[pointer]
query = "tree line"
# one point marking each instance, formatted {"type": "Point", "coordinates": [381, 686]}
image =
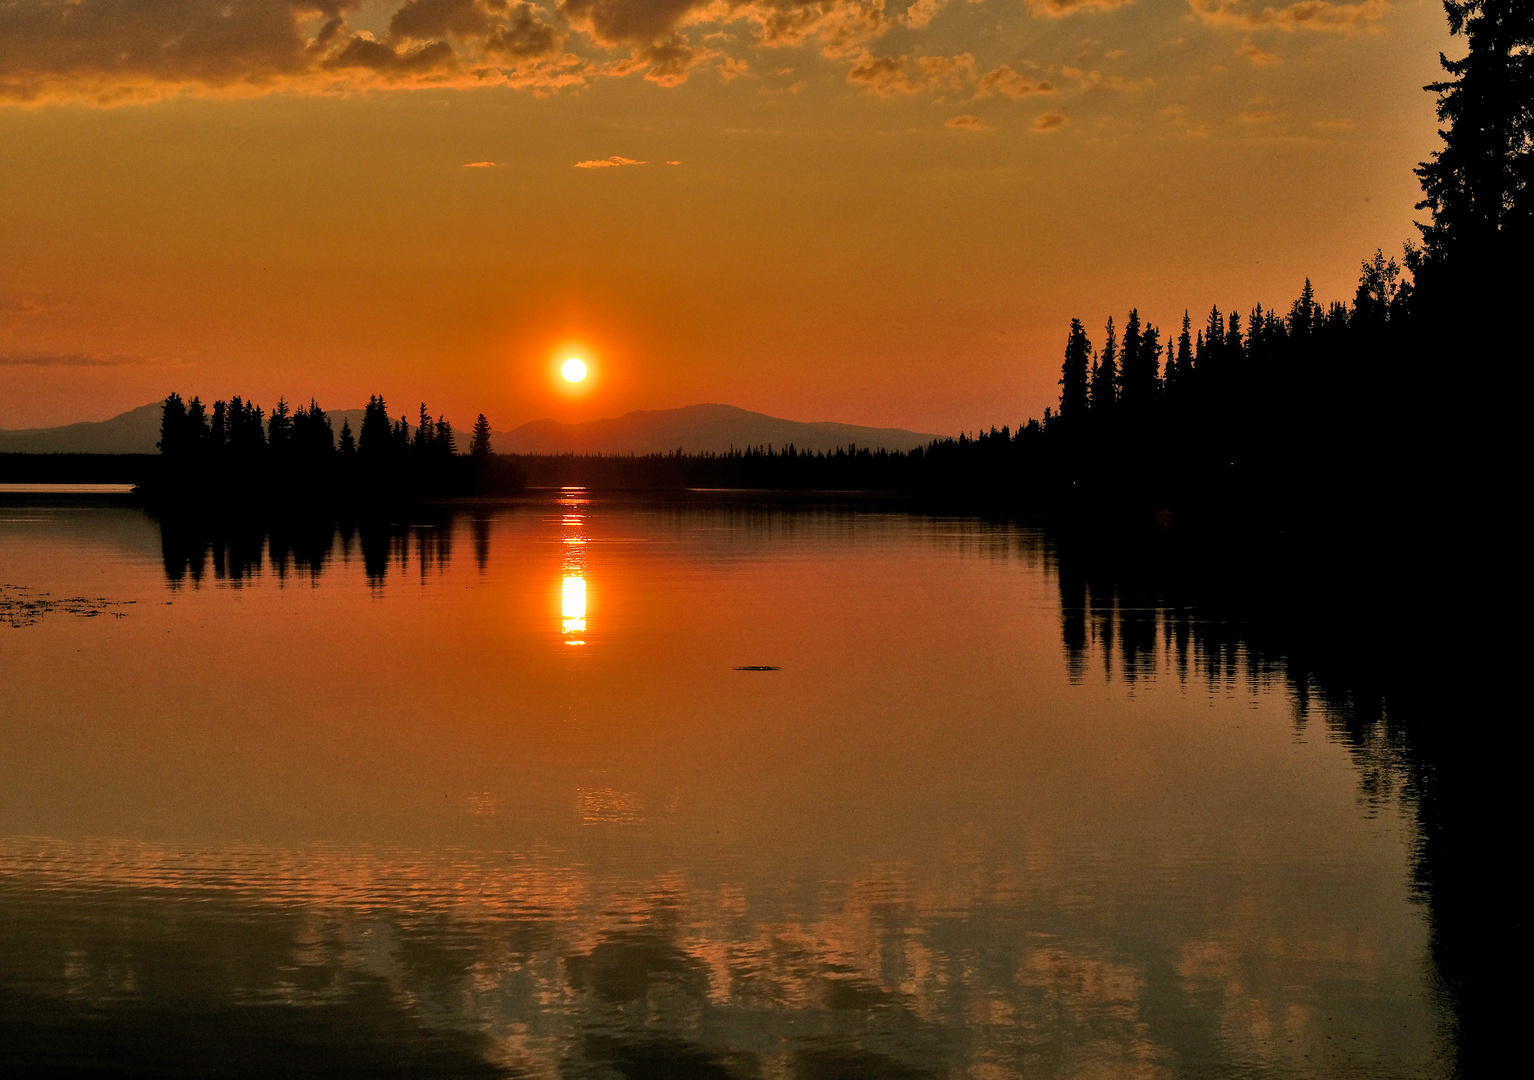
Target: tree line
{"type": "Point", "coordinates": [238, 429]}
{"type": "Point", "coordinates": [236, 455]}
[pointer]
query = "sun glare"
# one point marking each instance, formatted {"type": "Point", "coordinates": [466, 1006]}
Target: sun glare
{"type": "Point", "coordinates": [574, 370]}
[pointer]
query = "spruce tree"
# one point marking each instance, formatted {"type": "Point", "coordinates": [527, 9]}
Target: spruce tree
{"type": "Point", "coordinates": [197, 432]}
{"type": "Point", "coordinates": [172, 426]}
{"type": "Point", "coordinates": [374, 439]}
{"type": "Point", "coordinates": [1129, 360]}
{"type": "Point", "coordinates": [279, 430]}
{"type": "Point", "coordinates": [425, 432]}
{"type": "Point", "coordinates": [1480, 185]}
{"type": "Point", "coordinates": [218, 433]}
{"type": "Point", "coordinates": [479, 445]}
{"type": "Point", "coordinates": [1180, 369]}
{"type": "Point", "coordinates": [1105, 376]}
{"type": "Point", "coordinates": [1074, 374]}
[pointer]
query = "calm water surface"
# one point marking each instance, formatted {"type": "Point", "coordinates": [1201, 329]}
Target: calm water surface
{"type": "Point", "coordinates": [488, 795]}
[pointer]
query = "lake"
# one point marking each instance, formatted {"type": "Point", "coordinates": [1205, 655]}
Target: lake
{"type": "Point", "coordinates": [593, 787]}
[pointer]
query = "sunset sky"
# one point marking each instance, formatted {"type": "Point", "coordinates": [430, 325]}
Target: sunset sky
{"type": "Point", "coordinates": [831, 210]}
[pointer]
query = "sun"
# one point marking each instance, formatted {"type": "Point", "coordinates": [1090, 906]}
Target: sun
{"type": "Point", "coordinates": [574, 370]}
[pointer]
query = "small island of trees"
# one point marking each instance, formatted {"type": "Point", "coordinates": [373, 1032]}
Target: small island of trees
{"type": "Point", "coordinates": [236, 452]}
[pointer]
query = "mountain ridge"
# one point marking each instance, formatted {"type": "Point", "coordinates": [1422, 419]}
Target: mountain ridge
{"type": "Point", "coordinates": [705, 428]}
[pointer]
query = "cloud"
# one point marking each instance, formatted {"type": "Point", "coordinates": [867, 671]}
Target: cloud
{"type": "Point", "coordinates": [1257, 56]}
{"type": "Point", "coordinates": [668, 61]}
{"type": "Point", "coordinates": [839, 27]}
{"type": "Point", "coordinates": [1096, 80]}
{"type": "Point", "coordinates": [67, 360]}
{"type": "Point", "coordinates": [627, 22]}
{"type": "Point", "coordinates": [1318, 15]}
{"type": "Point", "coordinates": [1008, 83]}
{"type": "Point", "coordinates": [608, 163]}
{"type": "Point", "coordinates": [1044, 123]}
{"type": "Point", "coordinates": [116, 51]}
{"type": "Point", "coordinates": [1059, 8]}
{"type": "Point", "coordinates": [19, 306]}
{"type": "Point", "coordinates": [922, 12]}
{"type": "Point", "coordinates": [111, 51]}
{"type": "Point", "coordinates": [966, 122]}
{"type": "Point", "coordinates": [481, 165]}
{"type": "Point", "coordinates": [524, 35]}
{"type": "Point", "coordinates": [885, 76]}
{"type": "Point", "coordinates": [1257, 116]}
{"type": "Point", "coordinates": [426, 20]}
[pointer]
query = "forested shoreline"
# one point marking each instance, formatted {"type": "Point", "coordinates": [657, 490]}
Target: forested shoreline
{"type": "Point", "coordinates": [1367, 411]}
{"type": "Point", "coordinates": [1142, 423]}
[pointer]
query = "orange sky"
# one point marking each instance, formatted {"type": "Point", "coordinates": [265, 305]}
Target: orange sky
{"type": "Point", "coordinates": [879, 214]}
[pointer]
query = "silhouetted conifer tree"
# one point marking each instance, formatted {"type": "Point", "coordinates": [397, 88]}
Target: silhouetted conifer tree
{"type": "Point", "coordinates": [1139, 368]}
{"type": "Point", "coordinates": [1075, 392]}
{"type": "Point", "coordinates": [425, 433]}
{"type": "Point", "coordinates": [173, 426]}
{"type": "Point", "coordinates": [279, 429]}
{"type": "Point", "coordinates": [348, 445]}
{"type": "Point", "coordinates": [218, 433]}
{"type": "Point", "coordinates": [197, 433]}
{"type": "Point", "coordinates": [1480, 185]}
{"type": "Point", "coordinates": [479, 445]}
{"type": "Point", "coordinates": [1105, 376]}
{"type": "Point", "coordinates": [1302, 315]}
{"type": "Point", "coordinates": [377, 432]}
{"type": "Point", "coordinates": [1180, 368]}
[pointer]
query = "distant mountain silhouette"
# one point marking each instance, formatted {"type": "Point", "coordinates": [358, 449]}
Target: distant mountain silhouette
{"type": "Point", "coordinates": [133, 432]}
{"type": "Point", "coordinates": [695, 429]}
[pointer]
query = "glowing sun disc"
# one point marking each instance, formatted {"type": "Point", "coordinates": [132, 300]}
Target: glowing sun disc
{"type": "Point", "coordinates": [573, 370]}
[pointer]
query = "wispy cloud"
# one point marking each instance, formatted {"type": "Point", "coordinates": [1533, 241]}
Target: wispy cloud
{"type": "Point", "coordinates": [1318, 15]}
{"type": "Point", "coordinates": [481, 165]}
{"type": "Point", "coordinates": [67, 360]}
{"type": "Point", "coordinates": [1045, 123]}
{"type": "Point", "coordinates": [1259, 57]}
{"type": "Point", "coordinates": [1009, 83]}
{"type": "Point", "coordinates": [966, 122]}
{"type": "Point", "coordinates": [885, 76]}
{"type": "Point", "coordinates": [1096, 80]}
{"type": "Point", "coordinates": [1059, 8]}
{"type": "Point", "coordinates": [608, 163]}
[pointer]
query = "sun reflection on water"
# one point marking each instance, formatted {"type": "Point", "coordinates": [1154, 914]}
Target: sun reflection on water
{"type": "Point", "coordinates": [573, 605]}
{"type": "Point", "coordinates": [572, 593]}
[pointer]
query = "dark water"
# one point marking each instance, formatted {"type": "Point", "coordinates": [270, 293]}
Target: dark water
{"type": "Point", "coordinates": [488, 794]}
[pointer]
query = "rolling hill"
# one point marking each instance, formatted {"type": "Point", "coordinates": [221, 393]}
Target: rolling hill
{"type": "Point", "coordinates": [693, 429]}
